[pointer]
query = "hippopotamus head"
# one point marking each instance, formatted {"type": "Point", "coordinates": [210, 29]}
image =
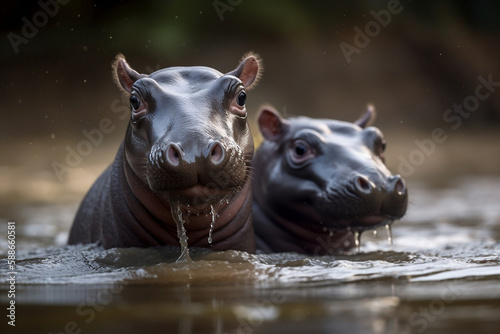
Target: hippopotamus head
{"type": "Point", "coordinates": [188, 137]}
{"type": "Point", "coordinates": [322, 175]}
{"type": "Point", "coordinates": [183, 170]}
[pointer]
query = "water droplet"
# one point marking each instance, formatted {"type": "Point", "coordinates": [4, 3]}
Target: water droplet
{"type": "Point", "coordinates": [181, 232]}
{"type": "Point", "coordinates": [375, 233]}
{"type": "Point", "coordinates": [388, 228]}
{"type": "Point", "coordinates": [212, 224]}
{"type": "Point", "coordinates": [330, 234]}
{"type": "Point", "coordinates": [357, 240]}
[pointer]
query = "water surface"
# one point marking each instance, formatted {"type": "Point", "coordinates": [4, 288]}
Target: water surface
{"type": "Point", "coordinates": [442, 273]}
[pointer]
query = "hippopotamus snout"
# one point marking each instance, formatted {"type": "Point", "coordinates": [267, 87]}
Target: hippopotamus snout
{"type": "Point", "coordinates": [379, 202]}
{"type": "Point", "coordinates": [217, 164]}
{"type": "Point", "coordinates": [213, 155]}
{"type": "Point", "coordinates": [394, 188]}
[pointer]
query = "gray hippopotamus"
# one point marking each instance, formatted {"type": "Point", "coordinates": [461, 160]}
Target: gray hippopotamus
{"type": "Point", "coordinates": [183, 169]}
{"type": "Point", "coordinates": [319, 181]}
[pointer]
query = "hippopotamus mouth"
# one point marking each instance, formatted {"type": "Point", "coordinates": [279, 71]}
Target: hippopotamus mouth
{"type": "Point", "coordinates": [199, 199]}
{"type": "Point", "coordinates": [356, 223]}
{"type": "Point", "coordinates": [369, 222]}
{"type": "Point", "coordinates": [348, 208]}
{"type": "Point", "coordinates": [199, 185]}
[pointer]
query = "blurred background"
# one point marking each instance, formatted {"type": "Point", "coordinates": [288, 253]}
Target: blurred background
{"type": "Point", "coordinates": [413, 66]}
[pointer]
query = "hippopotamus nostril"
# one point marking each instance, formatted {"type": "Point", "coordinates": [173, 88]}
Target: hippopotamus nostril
{"type": "Point", "coordinates": [172, 154]}
{"type": "Point", "coordinates": [216, 153]}
{"type": "Point", "coordinates": [399, 185]}
{"type": "Point", "coordinates": [363, 185]}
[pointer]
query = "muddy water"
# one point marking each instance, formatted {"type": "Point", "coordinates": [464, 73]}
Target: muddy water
{"type": "Point", "coordinates": [441, 274]}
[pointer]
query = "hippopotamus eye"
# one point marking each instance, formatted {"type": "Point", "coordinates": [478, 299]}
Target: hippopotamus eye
{"type": "Point", "coordinates": [301, 152]}
{"type": "Point", "coordinates": [380, 148]}
{"type": "Point", "coordinates": [237, 106]}
{"type": "Point", "coordinates": [383, 145]}
{"type": "Point", "coordinates": [300, 149]}
{"type": "Point", "coordinates": [241, 99]}
{"type": "Point", "coordinates": [139, 109]}
{"type": "Point", "coordinates": [135, 102]}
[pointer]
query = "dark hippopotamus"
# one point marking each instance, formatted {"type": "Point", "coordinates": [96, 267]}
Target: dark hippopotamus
{"type": "Point", "coordinates": [319, 181]}
{"type": "Point", "coordinates": [184, 165]}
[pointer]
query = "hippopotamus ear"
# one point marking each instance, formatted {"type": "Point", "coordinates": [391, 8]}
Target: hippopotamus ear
{"type": "Point", "coordinates": [271, 125]}
{"type": "Point", "coordinates": [249, 70]}
{"type": "Point", "coordinates": [124, 75]}
{"type": "Point", "coordinates": [368, 118]}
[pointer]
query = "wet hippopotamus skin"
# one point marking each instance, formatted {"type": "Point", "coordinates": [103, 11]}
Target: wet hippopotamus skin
{"type": "Point", "coordinates": [188, 142]}
{"type": "Point", "coordinates": [318, 181]}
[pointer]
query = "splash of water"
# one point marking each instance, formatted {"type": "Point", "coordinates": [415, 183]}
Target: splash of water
{"type": "Point", "coordinates": [212, 224]}
{"type": "Point", "coordinates": [181, 232]}
{"type": "Point", "coordinates": [388, 228]}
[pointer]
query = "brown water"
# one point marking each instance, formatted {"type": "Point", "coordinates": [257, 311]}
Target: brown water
{"type": "Point", "coordinates": [441, 274]}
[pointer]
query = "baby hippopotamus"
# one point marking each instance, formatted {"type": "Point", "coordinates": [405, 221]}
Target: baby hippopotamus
{"type": "Point", "coordinates": [319, 181]}
{"type": "Point", "coordinates": [182, 172]}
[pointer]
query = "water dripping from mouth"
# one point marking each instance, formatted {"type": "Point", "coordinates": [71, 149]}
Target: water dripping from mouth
{"type": "Point", "coordinates": [181, 232]}
{"type": "Point", "coordinates": [375, 233]}
{"type": "Point", "coordinates": [357, 240]}
{"type": "Point", "coordinates": [212, 224]}
{"type": "Point", "coordinates": [388, 228]}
